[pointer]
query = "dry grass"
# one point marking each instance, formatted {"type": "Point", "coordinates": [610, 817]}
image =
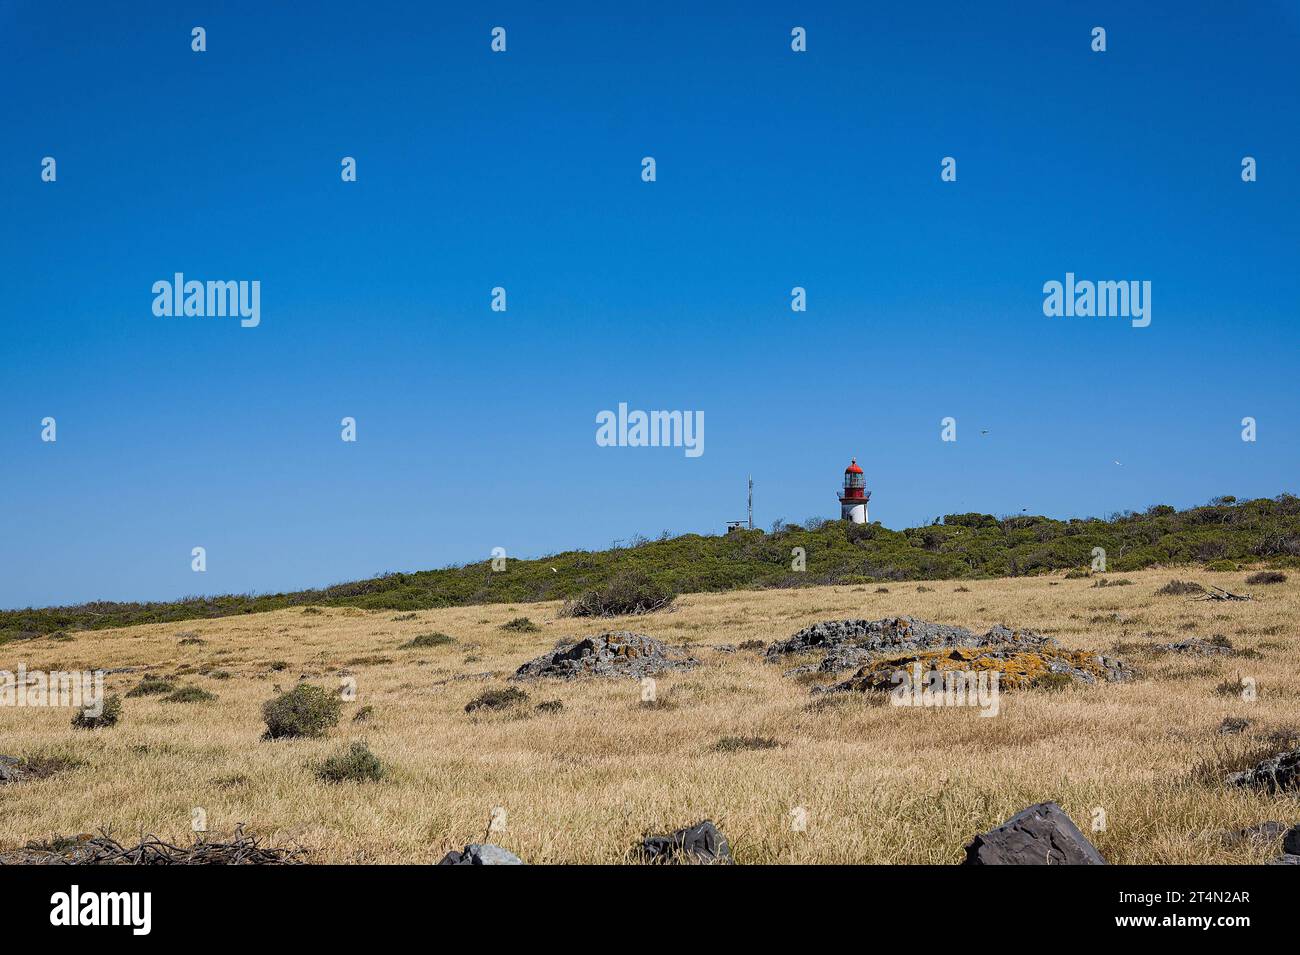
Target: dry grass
{"type": "Point", "coordinates": [879, 784]}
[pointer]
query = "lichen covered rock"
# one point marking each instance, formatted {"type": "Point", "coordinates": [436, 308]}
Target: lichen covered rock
{"type": "Point", "coordinates": [879, 648]}
{"type": "Point", "coordinates": [1016, 668]}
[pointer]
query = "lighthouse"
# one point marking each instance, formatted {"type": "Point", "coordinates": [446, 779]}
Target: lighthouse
{"type": "Point", "coordinates": [854, 497]}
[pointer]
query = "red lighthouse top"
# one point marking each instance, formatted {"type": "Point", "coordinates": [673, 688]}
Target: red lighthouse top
{"type": "Point", "coordinates": [855, 485]}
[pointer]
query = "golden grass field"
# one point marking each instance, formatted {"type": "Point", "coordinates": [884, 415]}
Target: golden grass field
{"type": "Point", "coordinates": [879, 784]}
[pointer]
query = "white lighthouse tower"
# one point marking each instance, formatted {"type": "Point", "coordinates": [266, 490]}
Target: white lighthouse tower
{"type": "Point", "coordinates": [854, 497]}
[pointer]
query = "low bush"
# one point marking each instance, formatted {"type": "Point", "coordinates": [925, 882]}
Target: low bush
{"type": "Point", "coordinates": [1267, 577]}
{"type": "Point", "coordinates": [305, 710]}
{"type": "Point", "coordinates": [109, 714]}
{"type": "Point", "coordinates": [190, 694]}
{"type": "Point", "coordinates": [356, 764]}
{"type": "Point", "coordinates": [626, 595]}
{"type": "Point", "coordinates": [1180, 588]}
{"type": "Point", "coordinates": [427, 640]}
{"type": "Point", "coordinates": [151, 685]}
{"type": "Point", "coordinates": [520, 625]}
{"type": "Point", "coordinates": [497, 699]}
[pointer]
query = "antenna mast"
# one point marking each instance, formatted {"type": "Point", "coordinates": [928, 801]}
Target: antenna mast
{"type": "Point", "coordinates": [751, 502]}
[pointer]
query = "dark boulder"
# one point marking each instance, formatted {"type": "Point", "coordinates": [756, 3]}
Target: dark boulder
{"type": "Point", "coordinates": [1276, 774]}
{"type": "Point", "coordinates": [700, 844]}
{"type": "Point", "coordinates": [1040, 835]}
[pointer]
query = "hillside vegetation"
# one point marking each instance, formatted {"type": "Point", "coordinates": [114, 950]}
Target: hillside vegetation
{"type": "Point", "coordinates": [960, 546]}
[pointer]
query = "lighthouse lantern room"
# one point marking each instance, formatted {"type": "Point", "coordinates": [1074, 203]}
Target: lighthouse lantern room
{"type": "Point", "coordinates": [854, 497]}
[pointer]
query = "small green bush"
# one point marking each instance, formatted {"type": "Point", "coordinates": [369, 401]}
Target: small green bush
{"type": "Point", "coordinates": [190, 694]}
{"type": "Point", "coordinates": [549, 706]}
{"type": "Point", "coordinates": [1180, 588]}
{"type": "Point", "coordinates": [363, 714]}
{"type": "Point", "coordinates": [497, 699]}
{"type": "Point", "coordinates": [355, 765]}
{"type": "Point", "coordinates": [109, 714]}
{"type": "Point", "coordinates": [1221, 566]}
{"type": "Point", "coordinates": [520, 625]}
{"type": "Point", "coordinates": [151, 685]}
{"type": "Point", "coordinates": [305, 710]}
{"type": "Point", "coordinates": [427, 640]}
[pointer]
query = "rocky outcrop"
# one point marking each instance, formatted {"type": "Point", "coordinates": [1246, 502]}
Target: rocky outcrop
{"type": "Point", "coordinates": [885, 645]}
{"type": "Point", "coordinates": [1278, 773]}
{"type": "Point", "coordinates": [1049, 666]}
{"type": "Point", "coordinates": [1040, 835]}
{"type": "Point", "coordinates": [619, 653]}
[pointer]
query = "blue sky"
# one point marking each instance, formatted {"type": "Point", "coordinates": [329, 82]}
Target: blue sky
{"type": "Point", "coordinates": [522, 170]}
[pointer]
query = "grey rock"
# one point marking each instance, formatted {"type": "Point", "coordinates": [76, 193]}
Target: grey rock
{"type": "Point", "coordinates": [1233, 725]}
{"type": "Point", "coordinates": [485, 853]}
{"type": "Point", "coordinates": [620, 653]}
{"type": "Point", "coordinates": [1285, 859]}
{"type": "Point", "coordinates": [1043, 834]}
{"type": "Point", "coordinates": [1276, 774]}
{"type": "Point", "coordinates": [1269, 831]}
{"type": "Point", "coordinates": [10, 769]}
{"type": "Point", "coordinates": [1195, 646]}
{"type": "Point", "coordinates": [700, 844]}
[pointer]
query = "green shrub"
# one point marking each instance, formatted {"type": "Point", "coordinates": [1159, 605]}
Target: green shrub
{"type": "Point", "coordinates": [219, 674]}
{"type": "Point", "coordinates": [520, 625]}
{"type": "Point", "coordinates": [549, 706]}
{"type": "Point", "coordinates": [427, 640]}
{"type": "Point", "coordinates": [363, 714]}
{"type": "Point", "coordinates": [1180, 588]}
{"type": "Point", "coordinates": [1221, 566]}
{"type": "Point", "coordinates": [305, 710]}
{"type": "Point", "coordinates": [151, 685]}
{"type": "Point", "coordinates": [355, 765]}
{"type": "Point", "coordinates": [497, 699]}
{"type": "Point", "coordinates": [626, 595]}
{"type": "Point", "coordinates": [109, 714]}
{"type": "Point", "coordinates": [190, 694]}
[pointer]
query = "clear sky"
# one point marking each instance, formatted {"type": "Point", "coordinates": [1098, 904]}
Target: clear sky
{"type": "Point", "coordinates": [476, 429]}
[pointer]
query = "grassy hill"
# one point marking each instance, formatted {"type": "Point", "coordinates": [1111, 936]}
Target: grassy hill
{"type": "Point", "coordinates": [961, 546]}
